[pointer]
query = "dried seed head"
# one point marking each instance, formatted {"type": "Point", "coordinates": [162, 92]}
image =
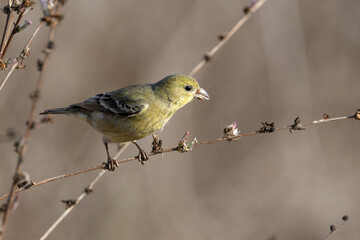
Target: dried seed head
{"type": "Point", "coordinates": [267, 127]}
{"type": "Point", "coordinates": [156, 144]}
{"type": "Point", "coordinates": [183, 146]}
{"type": "Point", "coordinates": [296, 125]}
{"type": "Point", "coordinates": [231, 131]}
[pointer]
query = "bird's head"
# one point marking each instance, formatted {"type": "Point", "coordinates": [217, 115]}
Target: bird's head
{"type": "Point", "coordinates": [180, 89]}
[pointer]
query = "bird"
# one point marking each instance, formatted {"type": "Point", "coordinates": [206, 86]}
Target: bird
{"type": "Point", "coordinates": [134, 112]}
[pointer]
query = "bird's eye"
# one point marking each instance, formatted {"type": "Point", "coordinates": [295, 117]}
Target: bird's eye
{"type": "Point", "coordinates": [188, 88]}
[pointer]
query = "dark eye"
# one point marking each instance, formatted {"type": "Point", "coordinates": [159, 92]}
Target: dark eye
{"type": "Point", "coordinates": [188, 88]}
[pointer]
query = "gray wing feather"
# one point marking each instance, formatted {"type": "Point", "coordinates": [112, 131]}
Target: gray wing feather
{"type": "Point", "coordinates": [107, 104]}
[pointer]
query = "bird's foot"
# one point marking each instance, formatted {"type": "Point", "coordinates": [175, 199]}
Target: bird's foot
{"type": "Point", "coordinates": [142, 156]}
{"type": "Point", "coordinates": [110, 164]}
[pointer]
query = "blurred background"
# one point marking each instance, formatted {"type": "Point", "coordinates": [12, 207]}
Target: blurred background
{"type": "Point", "coordinates": [292, 58]}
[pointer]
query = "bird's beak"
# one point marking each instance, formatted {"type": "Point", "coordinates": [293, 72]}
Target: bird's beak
{"type": "Point", "coordinates": [201, 94]}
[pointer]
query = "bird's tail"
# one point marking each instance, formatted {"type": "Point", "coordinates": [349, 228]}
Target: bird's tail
{"type": "Point", "coordinates": [57, 111]}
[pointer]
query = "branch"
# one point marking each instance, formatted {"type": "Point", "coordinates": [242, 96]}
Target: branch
{"type": "Point", "coordinates": [21, 145]}
{"type": "Point", "coordinates": [248, 11]}
{"type": "Point", "coordinates": [333, 228]}
{"type": "Point", "coordinates": [13, 32]}
{"type": "Point", "coordinates": [182, 146]}
{"type": "Point", "coordinates": [19, 8]}
{"type": "Point", "coordinates": [9, 20]}
{"type": "Point", "coordinates": [24, 53]}
{"type": "Point", "coordinates": [87, 190]}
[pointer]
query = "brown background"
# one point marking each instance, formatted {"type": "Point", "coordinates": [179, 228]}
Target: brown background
{"type": "Point", "coordinates": [293, 58]}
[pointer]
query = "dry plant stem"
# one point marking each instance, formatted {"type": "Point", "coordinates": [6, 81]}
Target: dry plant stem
{"type": "Point", "coordinates": [102, 172]}
{"type": "Point", "coordinates": [23, 145]}
{"type": "Point", "coordinates": [332, 232]}
{"type": "Point", "coordinates": [226, 37]}
{"type": "Point", "coordinates": [68, 210]}
{"type": "Point", "coordinates": [8, 75]}
{"type": "Point", "coordinates": [27, 46]}
{"type": "Point", "coordinates": [12, 34]}
{"type": "Point", "coordinates": [288, 127]}
{"type": "Point", "coordinates": [82, 195]}
{"type": "Point", "coordinates": [7, 28]}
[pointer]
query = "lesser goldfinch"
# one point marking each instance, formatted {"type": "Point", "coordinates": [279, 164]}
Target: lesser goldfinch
{"type": "Point", "coordinates": [136, 111]}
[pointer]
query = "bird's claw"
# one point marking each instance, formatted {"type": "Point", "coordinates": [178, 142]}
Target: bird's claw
{"type": "Point", "coordinates": [110, 164]}
{"type": "Point", "coordinates": [142, 157]}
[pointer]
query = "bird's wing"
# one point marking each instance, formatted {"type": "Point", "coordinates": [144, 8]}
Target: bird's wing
{"type": "Point", "coordinates": [125, 105]}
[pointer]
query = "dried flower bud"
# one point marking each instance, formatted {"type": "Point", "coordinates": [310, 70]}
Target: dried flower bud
{"type": "Point", "coordinates": [23, 26]}
{"type": "Point", "coordinates": [267, 127]}
{"type": "Point", "coordinates": [156, 144]}
{"type": "Point", "coordinates": [183, 146]}
{"type": "Point", "coordinates": [231, 131]}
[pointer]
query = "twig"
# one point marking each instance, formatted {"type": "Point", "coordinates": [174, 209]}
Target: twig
{"type": "Point", "coordinates": [5, 37]}
{"type": "Point", "coordinates": [291, 127]}
{"type": "Point", "coordinates": [8, 75]}
{"type": "Point", "coordinates": [22, 143]}
{"type": "Point", "coordinates": [87, 190]}
{"type": "Point", "coordinates": [333, 228]}
{"type": "Point", "coordinates": [22, 54]}
{"type": "Point", "coordinates": [12, 33]}
{"type": "Point", "coordinates": [226, 36]}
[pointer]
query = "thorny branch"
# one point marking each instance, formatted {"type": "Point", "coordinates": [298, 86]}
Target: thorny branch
{"type": "Point", "coordinates": [233, 135]}
{"type": "Point", "coordinates": [21, 145]}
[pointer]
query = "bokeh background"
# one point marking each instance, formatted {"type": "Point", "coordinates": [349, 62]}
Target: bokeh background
{"type": "Point", "coordinates": [292, 58]}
